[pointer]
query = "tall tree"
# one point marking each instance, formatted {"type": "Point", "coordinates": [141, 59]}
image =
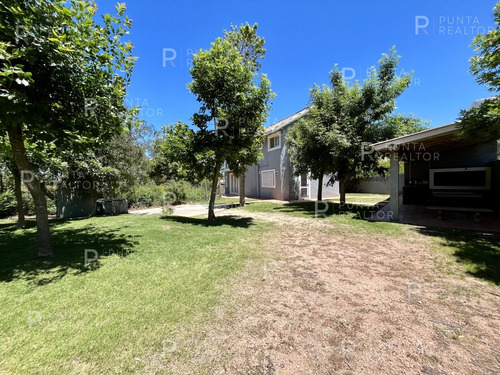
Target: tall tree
{"type": "Point", "coordinates": [358, 110]}
{"type": "Point", "coordinates": [312, 139]}
{"type": "Point", "coordinates": [343, 118]}
{"type": "Point", "coordinates": [484, 119]}
{"type": "Point", "coordinates": [62, 82]}
{"type": "Point", "coordinates": [236, 99]}
{"type": "Point", "coordinates": [251, 48]}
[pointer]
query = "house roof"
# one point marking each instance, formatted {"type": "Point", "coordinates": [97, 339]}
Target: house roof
{"type": "Point", "coordinates": [286, 121]}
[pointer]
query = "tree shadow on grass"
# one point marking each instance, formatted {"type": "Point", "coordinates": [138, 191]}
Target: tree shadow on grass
{"type": "Point", "coordinates": [229, 220]}
{"type": "Point", "coordinates": [479, 252]}
{"type": "Point", "coordinates": [19, 258]}
{"type": "Point", "coordinates": [328, 208]}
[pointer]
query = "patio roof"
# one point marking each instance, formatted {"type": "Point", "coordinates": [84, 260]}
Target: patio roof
{"type": "Point", "coordinates": [435, 139]}
{"type": "Point", "coordinates": [429, 137]}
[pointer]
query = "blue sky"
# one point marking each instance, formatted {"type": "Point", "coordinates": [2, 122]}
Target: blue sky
{"type": "Point", "coordinates": [304, 40]}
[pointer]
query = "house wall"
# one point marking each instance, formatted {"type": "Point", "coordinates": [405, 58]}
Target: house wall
{"type": "Point", "coordinates": [253, 180]}
{"type": "Point", "coordinates": [377, 185]}
{"type": "Point", "coordinates": [287, 186]}
{"type": "Point", "coordinates": [328, 191]}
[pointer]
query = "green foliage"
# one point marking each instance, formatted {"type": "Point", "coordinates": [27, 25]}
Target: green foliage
{"type": "Point", "coordinates": [172, 192]}
{"type": "Point", "coordinates": [485, 64]}
{"type": "Point", "coordinates": [247, 42]}
{"type": "Point", "coordinates": [172, 156]}
{"type": "Point", "coordinates": [235, 98]}
{"type": "Point", "coordinates": [225, 86]}
{"type": "Point", "coordinates": [63, 74]}
{"type": "Point", "coordinates": [359, 111]}
{"type": "Point", "coordinates": [63, 79]}
{"type": "Point", "coordinates": [484, 120]}
{"type": "Point", "coordinates": [400, 124]}
{"type": "Point", "coordinates": [8, 204]}
{"type": "Point", "coordinates": [146, 195]}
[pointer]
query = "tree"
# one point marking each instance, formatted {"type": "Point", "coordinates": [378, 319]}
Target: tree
{"type": "Point", "coordinates": [311, 140]}
{"type": "Point", "coordinates": [344, 118]}
{"type": "Point", "coordinates": [398, 125]}
{"type": "Point", "coordinates": [251, 48]}
{"type": "Point", "coordinates": [231, 97]}
{"type": "Point", "coordinates": [484, 119]}
{"type": "Point", "coordinates": [171, 156]}
{"type": "Point", "coordinates": [62, 82]}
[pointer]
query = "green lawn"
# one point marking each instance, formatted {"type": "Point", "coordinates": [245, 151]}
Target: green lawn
{"type": "Point", "coordinates": [354, 216]}
{"type": "Point", "coordinates": [154, 274]}
{"type": "Point", "coordinates": [362, 198]}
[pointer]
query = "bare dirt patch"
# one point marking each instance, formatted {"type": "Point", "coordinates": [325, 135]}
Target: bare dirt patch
{"type": "Point", "coordinates": [344, 304]}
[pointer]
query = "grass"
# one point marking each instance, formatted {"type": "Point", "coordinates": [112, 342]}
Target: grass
{"type": "Point", "coordinates": [352, 217]}
{"type": "Point", "coordinates": [467, 253]}
{"type": "Point", "coordinates": [362, 198]}
{"type": "Point", "coordinates": [154, 275]}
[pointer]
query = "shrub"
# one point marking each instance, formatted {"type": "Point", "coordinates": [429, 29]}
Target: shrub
{"type": "Point", "coordinates": [147, 195]}
{"type": "Point", "coordinates": [172, 192]}
{"type": "Point", "coordinates": [8, 204]}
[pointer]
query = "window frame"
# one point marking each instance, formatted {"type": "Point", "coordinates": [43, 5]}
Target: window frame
{"type": "Point", "coordinates": [273, 171]}
{"type": "Point", "coordinates": [274, 135]}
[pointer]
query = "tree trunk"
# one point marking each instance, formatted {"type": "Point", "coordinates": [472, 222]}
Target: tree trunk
{"type": "Point", "coordinates": [1, 182]}
{"type": "Point", "coordinates": [242, 191]}
{"type": "Point", "coordinates": [320, 187]}
{"type": "Point", "coordinates": [19, 198]}
{"type": "Point", "coordinates": [342, 189]}
{"type": "Point", "coordinates": [23, 164]}
{"type": "Point", "coordinates": [213, 193]}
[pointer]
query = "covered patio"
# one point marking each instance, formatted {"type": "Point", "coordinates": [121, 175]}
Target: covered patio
{"type": "Point", "coordinates": [448, 180]}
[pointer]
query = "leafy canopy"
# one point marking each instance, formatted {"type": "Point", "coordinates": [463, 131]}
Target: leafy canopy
{"type": "Point", "coordinates": [484, 119]}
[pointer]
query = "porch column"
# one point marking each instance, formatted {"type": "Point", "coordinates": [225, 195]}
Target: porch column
{"type": "Point", "coordinates": [394, 181]}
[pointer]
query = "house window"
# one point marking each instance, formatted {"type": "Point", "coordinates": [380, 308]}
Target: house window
{"type": "Point", "coordinates": [268, 178]}
{"type": "Point", "coordinates": [274, 142]}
